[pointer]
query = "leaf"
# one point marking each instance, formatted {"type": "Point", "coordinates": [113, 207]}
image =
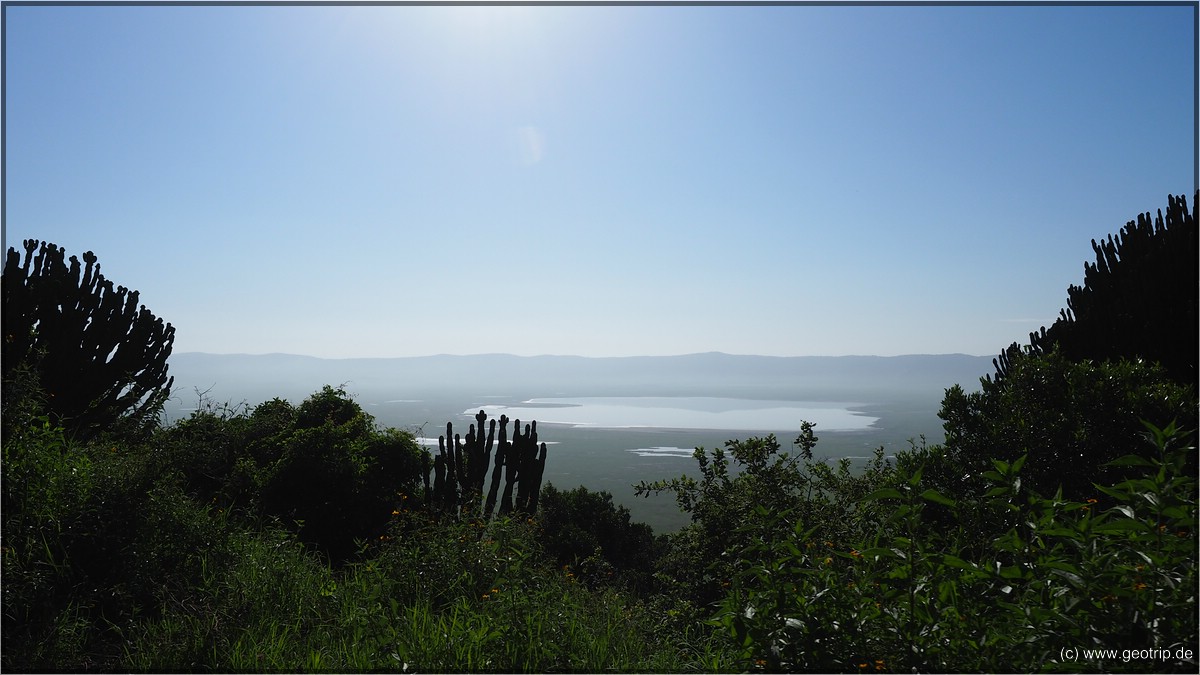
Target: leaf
{"type": "Point", "coordinates": [1129, 460]}
{"type": "Point", "coordinates": [884, 493]}
{"type": "Point", "coordinates": [955, 561]}
{"type": "Point", "coordinates": [1016, 466]}
{"type": "Point", "coordinates": [1123, 510]}
{"type": "Point", "coordinates": [1122, 525]}
{"type": "Point", "coordinates": [1060, 532]}
{"type": "Point", "coordinates": [1011, 572]}
{"type": "Point", "coordinates": [937, 497]}
{"type": "Point", "coordinates": [879, 552]}
{"type": "Point", "coordinates": [1074, 579]}
{"type": "Point", "coordinates": [1119, 494]}
{"type": "Point", "coordinates": [1066, 571]}
{"type": "Point", "coordinates": [1175, 512]}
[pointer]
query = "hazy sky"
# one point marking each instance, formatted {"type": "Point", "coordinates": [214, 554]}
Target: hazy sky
{"type": "Point", "coordinates": [793, 180]}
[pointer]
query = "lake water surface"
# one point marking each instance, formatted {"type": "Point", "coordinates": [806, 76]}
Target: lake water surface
{"type": "Point", "coordinates": [684, 412]}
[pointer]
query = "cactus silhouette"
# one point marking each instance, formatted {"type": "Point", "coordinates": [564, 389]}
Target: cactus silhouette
{"type": "Point", "coordinates": [497, 471]}
{"type": "Point", "coordinates": [461, 469]}
{"type": "Point", "coordinates": [1138, 300]}
{"type": "Point", "coordinates": [98, 356]}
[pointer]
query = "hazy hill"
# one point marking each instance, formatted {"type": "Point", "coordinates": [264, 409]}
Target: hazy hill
{"type": "Point", "coordinates": [257, 377]}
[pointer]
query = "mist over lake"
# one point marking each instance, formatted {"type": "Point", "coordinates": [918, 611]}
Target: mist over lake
{"type": "Point", "coordinates": [611, 422]}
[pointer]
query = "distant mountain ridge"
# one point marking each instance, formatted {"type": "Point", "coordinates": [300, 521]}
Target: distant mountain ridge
{"type": "Point", "coordinates": [702, 374]}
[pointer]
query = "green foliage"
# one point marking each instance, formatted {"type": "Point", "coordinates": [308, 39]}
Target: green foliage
{"type": "Point", "coordinates": [122, 558]}
{"type": "Point", "coordinates": [98, 356]}
{"type": "Point", "coordinates": [1064, 579]}
{"type": "Point", "coordinates": [323, 466]}
{"type": "Point", "coordinates": [44, 486]}
{"type": "Point", "coordinates": [726, 506]}
{"type": "Point", "coordinates": [1069, 417]}
{"type": "Point", "coordinates": [587, 532]}
{"type": "Point", "coordinates": [449, 597]}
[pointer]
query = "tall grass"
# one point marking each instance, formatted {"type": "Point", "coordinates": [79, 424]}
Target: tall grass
{"type": "Point", "coordinates": [450, 598]}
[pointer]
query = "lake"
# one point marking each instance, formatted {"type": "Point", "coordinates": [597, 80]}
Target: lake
{"type": "Point", "coordinates": [683, 412]}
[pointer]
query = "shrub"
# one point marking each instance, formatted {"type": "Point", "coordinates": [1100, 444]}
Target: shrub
{"type": "Point", "coordinates": [588, 532]}
{"type": "Point", "coordinates": [726, 506]}
{"type": "Point", "coordinates": [1066, 586]}
{"type": "Point", "coordinates": [1070, 418]}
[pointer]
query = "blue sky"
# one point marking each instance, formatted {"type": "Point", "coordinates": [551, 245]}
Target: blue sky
{"type": "Point", "coordinates": [602, 181]}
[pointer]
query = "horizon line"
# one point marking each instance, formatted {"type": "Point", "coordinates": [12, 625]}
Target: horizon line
{"type": "Point", "coordinates": [580, 356]}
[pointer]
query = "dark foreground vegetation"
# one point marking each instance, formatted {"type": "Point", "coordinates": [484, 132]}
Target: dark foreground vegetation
{"type": "Point", "coordinates": [1057, 518]}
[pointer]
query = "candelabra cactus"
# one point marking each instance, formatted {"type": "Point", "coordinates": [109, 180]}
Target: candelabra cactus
{"type": "Point", "coordinates": [530, 464]}
{"type": "Point", "coordinates": [461, 468]}
{"type": "Point", "coordinates": [1138, 300]}
{"type": "Point", "coordinates": [501, 453]}
{"type": "Point", "coordinates": [97, 355]}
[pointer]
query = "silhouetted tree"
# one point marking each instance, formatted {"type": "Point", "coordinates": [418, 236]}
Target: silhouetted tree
{"type": "Point", "coordinates": [97, 356]}
{"type": "Point", "coordinates": [1124, 349]}
{"type": "Point", "coordinates": [1138, 300]}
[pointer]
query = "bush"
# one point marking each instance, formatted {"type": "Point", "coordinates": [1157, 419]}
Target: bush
{"type": "Point", "coordinates": [727, 506]}
{"type": "Point", "coordinates": [323, 467]}
{"type": "Point", "coordinates": [586, 531]}
{"type": "Point", "coordinates": [1063, 578]}
{"type": "Point", "coordinates": [1070, 418]}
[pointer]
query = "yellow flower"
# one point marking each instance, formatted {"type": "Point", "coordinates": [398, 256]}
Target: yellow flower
{"type": "Point", "coordinates": [854, 552]}
{"type": "Point", "coordinates": [395, 512]}
{"type": "Point", "coordinates": [1139, 586]}
{"type": "Point", "coordinates": [829, 561]}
